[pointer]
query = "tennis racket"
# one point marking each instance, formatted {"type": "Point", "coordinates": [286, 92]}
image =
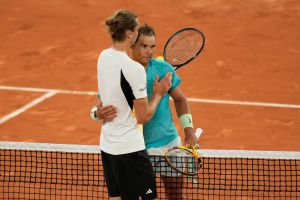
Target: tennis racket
{"type": "Point", "coordinates": [185, 159]}
{"type": "Point", "coordinates": [183, 47]}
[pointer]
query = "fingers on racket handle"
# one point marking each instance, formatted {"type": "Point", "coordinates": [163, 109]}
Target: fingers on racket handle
{"type": "Point", "coordinates": [198, 132]}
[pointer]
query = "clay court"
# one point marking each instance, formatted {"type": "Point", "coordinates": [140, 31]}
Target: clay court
{"type": "Point", "coordinates": [244, 87]}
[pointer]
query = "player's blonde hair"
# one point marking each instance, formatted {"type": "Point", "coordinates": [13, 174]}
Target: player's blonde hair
{"type": "Point", "coordinates": [119, 23]}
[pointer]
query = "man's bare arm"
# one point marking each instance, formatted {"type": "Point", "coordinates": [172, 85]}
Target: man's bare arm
{"type": "Point", "coordinates": [106, 113]}
{"type": "Point", "coordinates": [182, 107]}
{"type": "Point", "coordinates": [144, 110]}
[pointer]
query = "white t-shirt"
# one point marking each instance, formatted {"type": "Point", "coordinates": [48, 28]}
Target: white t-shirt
{"type": "Point", "coordinates": [120, 81]}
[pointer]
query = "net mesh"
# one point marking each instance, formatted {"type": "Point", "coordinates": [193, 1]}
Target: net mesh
{"type": "Point", "coordinates": [51, 171]}
{"type": "Point", "coordinates": [183, 46]}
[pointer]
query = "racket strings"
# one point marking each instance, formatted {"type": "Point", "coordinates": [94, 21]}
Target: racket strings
{"type": "Point", "coordinates": [183, 161]}
{"type": "Point", "coordinates": [185, 50]}
{"type": "Point", "coordinates": [183, 46]}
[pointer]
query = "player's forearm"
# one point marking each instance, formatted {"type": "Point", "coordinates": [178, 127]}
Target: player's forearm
{"type": "Point", "coordinates": [149, 109]}
{"type": "Point", "coordinates": [182, 106]}
{"type": "Point", "coordinates": [184, 114]}
{"type": "Point", "coordinates": [153, 103]}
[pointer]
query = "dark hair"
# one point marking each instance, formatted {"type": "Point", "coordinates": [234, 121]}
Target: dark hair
{"type": "Point", "coordinates": [119, 23]}
{"type": "Point", "coordinates": [145, 30]}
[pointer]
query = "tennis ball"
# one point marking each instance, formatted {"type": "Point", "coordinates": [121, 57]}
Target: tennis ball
{"type": "Point", "coordinates": [93, 114]}
{"type": "Point", "coordinates": [160, 58]}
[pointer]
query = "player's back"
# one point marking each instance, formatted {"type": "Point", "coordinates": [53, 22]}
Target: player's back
{"type": "Point", "coordinates": [120, 81]}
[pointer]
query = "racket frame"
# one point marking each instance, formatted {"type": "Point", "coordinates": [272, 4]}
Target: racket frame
{"type": "Point", "coordinates": [192, 58]}
{"type": "Point", "coordinates": [189, 149]}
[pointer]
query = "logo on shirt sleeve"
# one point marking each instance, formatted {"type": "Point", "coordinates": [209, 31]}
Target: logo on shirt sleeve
{"type": "Point", "coordinates": [142, 89]}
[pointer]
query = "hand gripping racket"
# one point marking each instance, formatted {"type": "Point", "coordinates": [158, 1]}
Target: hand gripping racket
{"type": "Point", "coordinates": [183, 47]}
{"type": "Point", "coordinates": [185, 159]}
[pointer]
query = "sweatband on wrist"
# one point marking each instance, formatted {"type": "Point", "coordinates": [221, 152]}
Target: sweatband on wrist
{"type": "Point", "coordinates": [186, 121]}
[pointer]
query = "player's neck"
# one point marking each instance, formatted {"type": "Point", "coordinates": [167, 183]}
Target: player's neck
{"type": "Point", "coordinates": [145, 65]}
{"type": "Point", "coordinates": [121, 46]}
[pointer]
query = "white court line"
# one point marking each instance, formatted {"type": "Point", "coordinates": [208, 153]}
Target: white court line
{"type": "Point", "coordinates": [197, 100]}
{"type": "Point", "coordinates": [29, 89]}
{"type": "Point", "coordinates": [27, 106]}
{"type": "Point", "coordinates": [245, 103]}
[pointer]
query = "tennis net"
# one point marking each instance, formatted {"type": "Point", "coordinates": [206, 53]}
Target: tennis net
{"type": "Point", "coordinates": [55, 171]}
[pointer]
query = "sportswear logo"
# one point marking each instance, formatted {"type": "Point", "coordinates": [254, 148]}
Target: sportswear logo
{"type": "Point", "coordinates": [149, 191]}
{"type": "Point", "coordinates": [142, 89]}
{"type": "Point", "coordinates": [190, 121]}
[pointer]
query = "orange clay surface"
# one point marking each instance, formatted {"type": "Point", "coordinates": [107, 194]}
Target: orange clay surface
{"type": "Point", "coordinates": [252, 54]}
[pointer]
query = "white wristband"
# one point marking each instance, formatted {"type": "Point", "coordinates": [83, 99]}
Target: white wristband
{"type": "Point", "coordinates": [186, 120]}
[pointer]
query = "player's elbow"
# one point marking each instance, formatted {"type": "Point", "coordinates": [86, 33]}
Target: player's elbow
{"type": "Point", "coordinates": [181, 100]}
{"type": "Point", "coordinates": [142, 119]}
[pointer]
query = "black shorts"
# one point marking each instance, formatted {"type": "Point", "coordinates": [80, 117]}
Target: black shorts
{"type": "Point", "coordinates": [129, 175]}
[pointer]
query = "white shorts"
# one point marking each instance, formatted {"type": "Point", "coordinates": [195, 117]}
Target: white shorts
{"type": "Point", "coordinates": [161, 167]}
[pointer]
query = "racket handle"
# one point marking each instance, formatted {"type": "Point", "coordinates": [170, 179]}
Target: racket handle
{"type": "Point", "coordinates": [198, 132]}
